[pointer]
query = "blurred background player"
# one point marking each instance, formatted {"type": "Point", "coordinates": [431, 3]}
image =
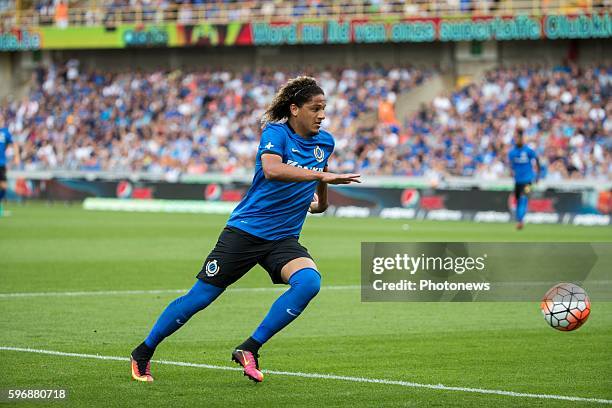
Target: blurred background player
{"type": "Point", "coordinates": [6, 139]}
{"type": "Point", "coordinates": [264, 229]}
{"type": "Point", "coordinates": [521, 159]}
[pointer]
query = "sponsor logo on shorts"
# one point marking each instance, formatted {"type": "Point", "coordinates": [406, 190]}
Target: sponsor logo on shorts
{"type": "Point", "coordinates": [212, 268]}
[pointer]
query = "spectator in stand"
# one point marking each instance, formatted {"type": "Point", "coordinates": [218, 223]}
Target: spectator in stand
{"type": "Point", "coordinates": [61, 14]}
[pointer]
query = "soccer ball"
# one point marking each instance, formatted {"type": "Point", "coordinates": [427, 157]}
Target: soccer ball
{"type": "Point", "coordinates": [566, 306]}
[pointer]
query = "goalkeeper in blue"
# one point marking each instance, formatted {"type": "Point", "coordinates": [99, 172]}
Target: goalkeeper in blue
{"type": "Point", "coordinates": [522, 159]}
{"type": "Point", "coordinates": [290, 180]}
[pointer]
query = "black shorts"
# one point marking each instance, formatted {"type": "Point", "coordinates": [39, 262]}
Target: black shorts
{"type": "Point", "coordinates": [237, 252]}
{"type": "Point", "coordinates": [2, 173]}
{"type": "Point", "coordinates": [521, 188]}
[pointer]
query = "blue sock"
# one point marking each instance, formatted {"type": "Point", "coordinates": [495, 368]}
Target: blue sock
{"type": "Point", "coordinates": [180, 310]}
{"type": "Point", "coordinates": [305, 284]}
{"type": "Point", "coordinates": [521, 208]}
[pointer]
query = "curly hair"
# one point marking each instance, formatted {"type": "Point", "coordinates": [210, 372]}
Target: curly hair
{"type": "Point", "coordinates": [297, 91]}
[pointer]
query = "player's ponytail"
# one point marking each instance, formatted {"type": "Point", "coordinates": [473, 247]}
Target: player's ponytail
{"type": "Point", "coordinates": [296, 91]}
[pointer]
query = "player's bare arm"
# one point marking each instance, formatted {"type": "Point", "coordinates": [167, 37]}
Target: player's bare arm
{"type": "Point", "coordinates": [16, 155]}
{"type": "Point", "coordinates": [275, 169]}
{"type": "Point", "coordinates": [319, 203]}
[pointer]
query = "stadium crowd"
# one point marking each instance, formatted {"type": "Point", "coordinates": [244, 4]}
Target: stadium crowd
{"type": "Point", "coordinates": [89, 12]}
{"type": "Point", "coordinates": [564, 112]}
{"type": "Point", "coordinates": [173, 123]}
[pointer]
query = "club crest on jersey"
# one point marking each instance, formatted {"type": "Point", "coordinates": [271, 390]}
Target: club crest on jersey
{"type": "Point", "coordinates": [212, 268]}
{"type": "Point", "coordinates": [319, 154]}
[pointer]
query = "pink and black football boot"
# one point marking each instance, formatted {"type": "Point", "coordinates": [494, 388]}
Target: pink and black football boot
{"type": "Point", "coordinates": [250, 364]}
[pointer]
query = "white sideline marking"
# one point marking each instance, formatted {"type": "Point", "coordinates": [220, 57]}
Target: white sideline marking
{"type": "Point", "coordinates": [156, 292]}
{"type": "Point", "coordinates": [440, 387]}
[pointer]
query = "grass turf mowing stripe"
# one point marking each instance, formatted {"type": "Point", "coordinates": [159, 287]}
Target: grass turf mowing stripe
{"type": "Point", "coordinates": [155, 291]}
{"type": "Point", "coordinates": [439, 387]}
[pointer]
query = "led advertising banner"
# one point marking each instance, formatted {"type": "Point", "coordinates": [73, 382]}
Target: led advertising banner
{"type": "Point", "coordinates": [363, 31]}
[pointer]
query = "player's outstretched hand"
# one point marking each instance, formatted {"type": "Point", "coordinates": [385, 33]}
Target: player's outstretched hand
{"type": "Point", "coordinates": [347, 178]}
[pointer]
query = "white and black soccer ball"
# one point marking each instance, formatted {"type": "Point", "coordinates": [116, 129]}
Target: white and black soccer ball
{"type": "Point", "coordinates": [566, 306]}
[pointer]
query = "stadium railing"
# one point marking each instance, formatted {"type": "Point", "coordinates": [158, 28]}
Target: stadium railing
{"type": "Point", "coordinates": [248, 11]}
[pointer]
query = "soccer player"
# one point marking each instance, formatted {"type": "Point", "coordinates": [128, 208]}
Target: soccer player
{"type": "Point", "coordinates": [5, 139]}
{"type": "Point", "coordinates": [291, 164]}
{"type": "Point", "coordinates": [521, 159]}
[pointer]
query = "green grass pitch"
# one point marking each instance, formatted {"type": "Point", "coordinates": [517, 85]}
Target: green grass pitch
{"type": "Point", "coordinates": [497, 346]}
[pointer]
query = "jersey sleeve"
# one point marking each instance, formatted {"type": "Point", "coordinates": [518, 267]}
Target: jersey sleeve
{"type": "Point", "coordinates": [532, 154]}
{"type": "Point", "coordinates": [9, 137]}
{"type": "Point", "coordinates": [511, 155]}
{"type": "Point", "coordinates": [272, 141]}
{"type": "Point", "coordinates": [331, 151]}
